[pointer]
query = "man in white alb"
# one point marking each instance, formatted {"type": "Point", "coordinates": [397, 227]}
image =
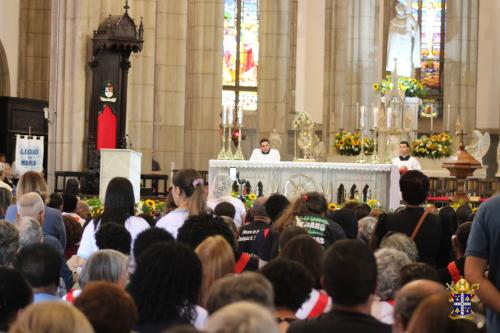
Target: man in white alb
{"type": "Point", "coordinates": [404, 161]}
{"type": "Point", "coordinates": [265, 153]}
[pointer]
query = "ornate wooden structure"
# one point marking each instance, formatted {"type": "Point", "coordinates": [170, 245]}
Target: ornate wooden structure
{"type": "Point", "coordinates": [113, 42]}
{"type": "Point", "coordinates": [17, 116]}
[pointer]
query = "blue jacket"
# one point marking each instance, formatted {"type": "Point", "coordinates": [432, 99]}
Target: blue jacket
{"type": "Point", "coordinates": [53, 224]}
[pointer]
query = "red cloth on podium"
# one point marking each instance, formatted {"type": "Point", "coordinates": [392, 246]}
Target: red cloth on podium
{"type": "Point", "coordinates": [106, 129]}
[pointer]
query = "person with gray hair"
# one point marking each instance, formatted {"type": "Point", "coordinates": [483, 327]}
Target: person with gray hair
{"type": "Point", "coordinates": [248, 286]}
{"type": "Point", "coordinates": [220, 191]}
{"type": "Point", "coordinates": [30, 231]}
{"type": "Point", "coordinates": [103, 265]}
{"type": "Point", "coordinates": [242, 317]}
{"type": "Point", "coordinates": [9, 243]}
{"type": "Point", "coordinates": [260, 221]}
{"type": "Point", "coordinates": [409, 297]}
{"type": "Point", "coordinates": [365, 228]}
{"type": "Point", "coordinates": [389, 263]}
{"type": "Point", "coordinates": [31, 205]}
{"type": "Point", "coordinates": [401, 242]}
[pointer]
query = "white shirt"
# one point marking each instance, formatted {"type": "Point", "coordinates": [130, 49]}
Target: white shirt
{"type": "Point", "coordinates": [134, 224]}
{"type": "Point", "coordinates": [257, 155]}
{"type": "Point", "coordinates": [173, 221]}
{"type": "Point", "coordinates": [383, 311]}
{"type": "Point", "coordinates": [411, 163]}
{"type": "Point", "coordinates": [238, 206]}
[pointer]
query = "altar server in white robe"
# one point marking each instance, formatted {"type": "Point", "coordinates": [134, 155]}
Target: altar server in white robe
{"type": "Point", "coordinates": [404, 161]}
{"type": "Point", "coordinates": [265, 153]}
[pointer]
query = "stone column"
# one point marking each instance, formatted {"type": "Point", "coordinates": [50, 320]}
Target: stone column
{"type": "Point", "coordinates": [34, 49]}
{"type": "Point", "coordinates": [274, 57]}
{"type": "Point", "coordinates": [68, 75]}
{"type": "Point", "coordinates": [351, 61]}
{"type": "Point", "coordinates": [170, 83]}
{"type": "Point", "coordinates": [141, 83]}
{"type": "Point", "coordinates": [203, 82]}
{"type": "Point", "coordinates": [460, 62]}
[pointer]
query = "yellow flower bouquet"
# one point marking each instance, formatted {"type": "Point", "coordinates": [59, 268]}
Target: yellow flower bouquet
{"type": "Point", "coordinates": [347, 143]}
{"type": "Point", "coordinates": [411, 87]}
{"type": "Point", "coordinates": [435, 146]}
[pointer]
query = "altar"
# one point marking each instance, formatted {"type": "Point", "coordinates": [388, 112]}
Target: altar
{"type": "Point", "coordinates": [283, 177]}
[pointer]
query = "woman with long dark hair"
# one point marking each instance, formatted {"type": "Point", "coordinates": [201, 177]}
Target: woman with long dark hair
{"type": "Point", "coordinates": [166, 287]}
{"type": "Point", "coordinates": [119, 207]}
{"type": "Point", "coordinates": [189, 194]}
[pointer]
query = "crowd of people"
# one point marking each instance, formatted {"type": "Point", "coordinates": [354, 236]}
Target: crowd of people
{"type": "Point", "coordinates": [213, 266]}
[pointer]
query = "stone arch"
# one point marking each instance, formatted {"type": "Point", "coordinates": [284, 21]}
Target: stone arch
{"type": "Point", "coordinates": [4, 73]}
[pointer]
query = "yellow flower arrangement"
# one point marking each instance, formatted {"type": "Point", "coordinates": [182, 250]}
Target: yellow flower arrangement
{"type": "Point", "coordinates": [411, 87]}
{"type": "Point", "coordinates": [252, 196]}
{"type": "Point", "coordinates": [347, 143]}
{"type": "Point", "coordinates": [373, 203]}
{"type": "Point", "coordinates": [435, 146]}
{"type": "Point", "coordinates": [332, 206]}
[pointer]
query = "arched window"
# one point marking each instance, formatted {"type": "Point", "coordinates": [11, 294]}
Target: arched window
{"type": "Point", "coordinates": [241, 53]}
{"type": "Point", "coordinates": [431, 17]}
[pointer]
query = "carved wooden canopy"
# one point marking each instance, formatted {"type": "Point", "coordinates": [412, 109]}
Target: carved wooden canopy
{"type": "Point", "coordinates": [112, 43]}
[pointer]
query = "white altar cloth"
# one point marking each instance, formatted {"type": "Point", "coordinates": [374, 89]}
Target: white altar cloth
{"type": "Point", "coordinates": [383, 179]}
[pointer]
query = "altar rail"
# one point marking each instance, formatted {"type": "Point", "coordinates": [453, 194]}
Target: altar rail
{"type": "Point", "coordinates": [151, 184]}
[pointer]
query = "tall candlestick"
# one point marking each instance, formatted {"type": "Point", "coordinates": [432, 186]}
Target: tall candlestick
{"type": "Point", "coordinates": [342, 114]}
{"type": "Point", "coordinates": [224, 112]}
{"type": "Point", "coordinates": [448, 119]}
{"type": "Point", "coordinates": [240, 114]}
{"type": "Point", "coordinates": [375, 117]}
{"type": "Point", "coordinates": [230, 115]}
{"type": "Point", "coordinates": [362, 117]}
{"type": "Point", "coordinates": [357, 115]}
{"type": "Point", "coordinates": [432, 123]}
{"type": "Point", "coordinates": [389, 117]}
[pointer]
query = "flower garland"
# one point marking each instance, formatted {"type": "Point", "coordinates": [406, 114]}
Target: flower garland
{"type": "Point", "coordinates": [435, 146]}
{"type": "Point", "coordinates": [148, 206]}
{"type": "Point", "coordinates": [347, 143]}
{"type": "Point", "coordinates": [411, 87]}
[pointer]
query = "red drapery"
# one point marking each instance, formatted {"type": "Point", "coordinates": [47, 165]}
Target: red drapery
{"type": "Point", "coordinates": [106, 129]}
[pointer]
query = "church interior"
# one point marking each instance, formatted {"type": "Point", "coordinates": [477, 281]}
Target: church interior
{"type": "Point", "coordinates": [329, 59]}
{"type": "Point", "coordinates": [163, 162]}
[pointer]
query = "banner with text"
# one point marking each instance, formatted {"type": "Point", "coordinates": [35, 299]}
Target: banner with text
{"type": "Point", "coordinates": [29, 154]}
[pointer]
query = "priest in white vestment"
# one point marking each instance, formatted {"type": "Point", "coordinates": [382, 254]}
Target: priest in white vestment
{"type": "Point", "coordinates": [404, 43]}
{"type": "Point", "coordinates": [265, 153]}
{"type": "Point", "coordinates": [404, 161]}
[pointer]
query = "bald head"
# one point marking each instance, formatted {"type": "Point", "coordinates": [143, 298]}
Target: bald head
{"type": "Point", "coordinates": [31, 205]}
{"type": "Point", "coordinates": [409, 297]}
{"type": "Point", "coordinates": [259, 207]}
{"type": "Point", "coordinates": [83, 209]}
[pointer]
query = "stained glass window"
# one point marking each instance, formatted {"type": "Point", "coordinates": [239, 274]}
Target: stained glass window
{"type": "Point", "coordinates": [431, 16]}
{"type": "Point", "coordinates": [241, 53]}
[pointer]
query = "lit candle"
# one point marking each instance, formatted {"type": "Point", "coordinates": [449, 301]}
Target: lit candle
{"type": "Point", "coordinates": [432, 123]}
{"type": "Point", "coordinates": [224, 112]}
{"type": "Point", "coordinates": [362, 117]}
{"type": "Point", "coordinates": [342, 115]}
{"type": "Point", "coordinates": [230, 115]}
{"type": "Point", "coordinates": [448, 118]}
{"type": "Point", "coordinates": [240, 114]}
{"type": "Point", "coordinates": [389, 117]}
{"type": "Point", "coordinates": [375, 117]}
